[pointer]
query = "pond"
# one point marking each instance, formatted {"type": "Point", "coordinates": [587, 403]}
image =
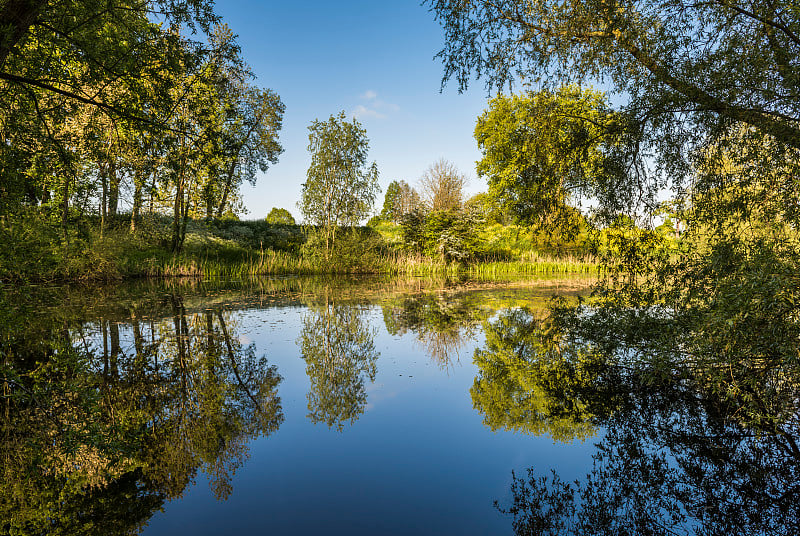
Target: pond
{"type": "Point", "coordinates": [305, 406]}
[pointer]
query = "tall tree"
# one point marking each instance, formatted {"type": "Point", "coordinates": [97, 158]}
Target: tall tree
{"type": "Point", "coordinates": [390, 202]}
{"type": "Point", "coordinates": [340, 187]}
{"type": "Point", "coordinates": [400, 199]}
{"type": "Point", "coordinates": [691, 70]}
{"type": "Point", "coordinates": [543, 151]}
{"type": "Point", "coordinates": [442, 186]}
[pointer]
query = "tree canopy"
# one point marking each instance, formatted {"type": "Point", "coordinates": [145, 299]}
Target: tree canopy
{"type": "Point", "coordinates": [543, 151]}
{"type": "Point", "coordinates": [340, 186]}
{"type": "Point", "coordinates": [400, 199]}
{"type": "Point", "coordinates": [441, 187]}
{"type": "Point", "coordinates": [692, 71]}
{"type": "Point", "coordinates": [103, 98]}
{"type": "Point", "coordinates": [280, 216]}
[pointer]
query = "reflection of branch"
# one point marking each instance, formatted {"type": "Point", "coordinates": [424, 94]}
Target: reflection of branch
{"type": "Point", "coordinates": [440, 345]}
{"type": "Point", "coordinates": [32, 395]}
{"type": "Point", "coordinates": [232, 359]}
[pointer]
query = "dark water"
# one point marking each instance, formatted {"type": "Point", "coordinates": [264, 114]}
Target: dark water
{"type": "Point", "coordinates": [296, 406]}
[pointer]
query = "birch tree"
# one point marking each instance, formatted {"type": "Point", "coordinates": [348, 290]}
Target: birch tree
{"type": "Point", "coordinates": [340, 187]}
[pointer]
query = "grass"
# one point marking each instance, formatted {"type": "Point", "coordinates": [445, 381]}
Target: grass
{"type": "Point", "coordinates": [270, 262]}
{"type": "Point", "coordinates": [37, 251]}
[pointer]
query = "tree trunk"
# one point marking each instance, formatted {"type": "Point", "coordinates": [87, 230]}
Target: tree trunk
{"type": "Point", "coordinates": [177, 211]}
{"type": "Point", "coordinates": [16, 17]}
{"type": "Point", "coordinates": [65, 206]}
{"type": "Point", "coordinates": [113, 189]}
{"type": "Point", "coordinates": [184, 220]}
{"type": "Point", "coordinates": [137, 198]}
{"type": "Point", "coordinates": [226, 190]}
{"type": "Point", "coordinates": [103, 200]}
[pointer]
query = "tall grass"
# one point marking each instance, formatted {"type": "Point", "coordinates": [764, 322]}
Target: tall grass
{"type": "Point", "coordinates": [533, 263]}
{"type": "Point", "coordinates": [255, 264]}
{"type": "Point", "coordinates": [281, 263]}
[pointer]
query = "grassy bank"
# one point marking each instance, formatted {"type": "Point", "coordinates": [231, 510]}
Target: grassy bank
{"type": "Point", "coordinates": [37, 251]}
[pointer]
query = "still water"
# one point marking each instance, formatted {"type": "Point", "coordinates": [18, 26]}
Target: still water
{"type": "Point", "coordinates": [298, 406]}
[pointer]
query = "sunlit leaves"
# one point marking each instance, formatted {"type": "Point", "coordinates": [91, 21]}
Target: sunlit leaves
{"type": "Point", "coordinates": [340, 186]}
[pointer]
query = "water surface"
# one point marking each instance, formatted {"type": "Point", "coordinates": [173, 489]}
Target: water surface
{"type": "Point", "coordinates": [301, 406]}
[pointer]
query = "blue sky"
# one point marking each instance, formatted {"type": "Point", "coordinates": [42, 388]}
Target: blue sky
{"type": "Point", "coordinates": [372, 59]}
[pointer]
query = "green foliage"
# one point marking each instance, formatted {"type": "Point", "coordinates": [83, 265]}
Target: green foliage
{"type": "Point", "coordinates": [340, 188]}
{"type": "Point", "coordinates": [280, 216]}
{"type": "Point", "coordinates": [129, 104]}
{"type": "Point", "coordinates": [356, 250]}
{"type": "Point", "coordinates": [412, 227]}
{"type": "Point", "coordinates": [487, 207]}
{"type": "Point", "coordinates": [681, 63]}
{"type": "Point", "coordinates": [543, 150]}
{"type": "Point", "coordinates": [451, 236]}
{"type": "Point", "coordinates": [391, 202]}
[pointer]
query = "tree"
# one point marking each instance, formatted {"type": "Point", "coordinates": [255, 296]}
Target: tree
{"type": "Point", "coordinates": [400, 199]}
{"type": "Point", "coordinates": [691, 70]}
{"type": "Point", "coordinates": [111, 56]}
{"type": "Point", "coordinates": [442, 186]}
{"type": "Point", "coordinates": [280, 216]}
{"type": "Point", "coordinates": [390, 202]}
{"type": "Point", "coordinates": [104, 40]}
{"type": "Point", "coordinates": [96, 94]}
{"type": "Point", "coordinates": [340, 187]}
{"type": "Point", "coordinates": [543, 150]}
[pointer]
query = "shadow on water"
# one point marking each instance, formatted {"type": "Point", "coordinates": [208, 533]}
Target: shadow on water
{"type": "Point", "coordinates": [688, 443]}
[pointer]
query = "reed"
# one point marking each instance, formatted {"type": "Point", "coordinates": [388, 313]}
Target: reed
{"type": "Point", "coordinates": [535, 265]}
{"type": "Point", "coordinates": [399, 264]}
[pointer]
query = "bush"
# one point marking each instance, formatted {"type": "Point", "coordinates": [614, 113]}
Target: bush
{"type": "Point", "coordinates": [412, 225]}
{"type": "Point", "coordinates": [355, 250]}
{"type": "Point", "coordinates": [449, 235]}
{"type": "Point", "coordinates": [280, 216]}
{"type": "Point", "coordinates": [260, 235]}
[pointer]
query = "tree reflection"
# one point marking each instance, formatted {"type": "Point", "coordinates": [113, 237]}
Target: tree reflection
{"type": "Point", "coordinates": [441, 323]}
{"type": "Point", "coordinates": [689, 446]}
{"type": "Point", "coordinates": [529, 382]}
{"type": "Point", "coordinates": [102, 424]}
{"type": "Point", "coordinates": [338, 347]}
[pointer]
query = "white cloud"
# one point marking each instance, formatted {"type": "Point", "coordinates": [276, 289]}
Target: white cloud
{"type": "Point", "coordinates": [373, 107]}
{"type": "Point", "coordinates": [361, 111]}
